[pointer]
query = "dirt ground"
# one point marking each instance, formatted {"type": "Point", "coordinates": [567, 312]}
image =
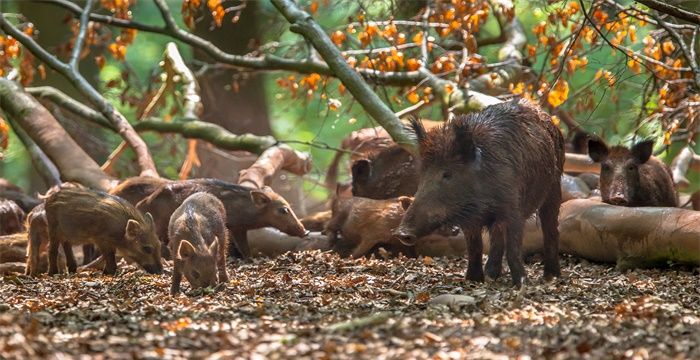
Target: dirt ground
{"type": "Point", "coordinates": [317, 305]}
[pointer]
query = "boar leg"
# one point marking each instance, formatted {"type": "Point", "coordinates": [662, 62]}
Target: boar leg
{"type": "Point", "coordinates": [221, 257]}
{"type": "Point", "coordinates": [70, 258]}
{"type": "Point", "coordinates": [494, 264]}
{"type": "Point", "coordinates": [475, 247]}
{"type": "Point", "coordinates": [53, 252]}
{"type": "Point", "coordinates": [240, 240]}
{"type": "Point", "coordinates": [177, 278]}
{"type": "Point", "coordinates": [549, 216]}
{"type": "Point", "coordinates": [34, 255]}
{"type": "Point", "coordinates": [514, 243]}
{"type": "Point", "coordinates": [110, 261]}
{"type": "Point", "coordinates": [363, 248]}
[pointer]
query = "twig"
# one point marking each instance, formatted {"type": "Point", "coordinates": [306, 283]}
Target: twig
{"type": "Point", "coordinates": [80, 40]}
{"type": "Point", "coordinates": [359, 323]}
{"type": "Point", "coordinates": [666, 8]}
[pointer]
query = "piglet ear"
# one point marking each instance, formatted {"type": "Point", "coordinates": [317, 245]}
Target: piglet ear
{"type": "Point", "coordinates": [405, 201]}
{"type": "Point", "coordinates": [214, 247]}
{"type": "Point", "coordinates": [149, 218]}
{"type": "Point", "coordinates": [260, 198]}
{"type": "Point", "coordinates": [597, 150]}
{"type": "Point", "coordinates": [185, 250]}
{"type": "Point", "coordinates": [133, 229]}
{"type": "Point", "coordinates": [642, 151]}
{"type": "Point", "coordinates": [361, 170]}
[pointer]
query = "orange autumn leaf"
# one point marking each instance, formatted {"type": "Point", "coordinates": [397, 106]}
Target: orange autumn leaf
{"type": "Point", "coordinates": [559, 93]}
{"type": "Point", "coordinates": [418, 38]}
{"type": "Point", "coordinates": [668, 47]}
{"type": "Point", "coordinates": [413, 97]}
{"type": "Point", "coordinates": [341, 89]}
{"type": "Point", "coordinates": [100, 61]}
{"type": "Point", "coordinates": [338, 37]}
{"type": "Point", "coordinates": [4, 133]}
{"type": "Point", "coordinates": [313, 8]}
{"type": "Point", "coordinates": [118, 51]}
{"type": "Point", "coordinates": [634, 65]}
{"type": "Point", "coordinates": [42, 71]}
{"type": "Point", "coordinates": [412, 64]}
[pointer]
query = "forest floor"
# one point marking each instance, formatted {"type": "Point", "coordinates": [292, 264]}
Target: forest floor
{"type": "Point", "coordinates": [317, 305]}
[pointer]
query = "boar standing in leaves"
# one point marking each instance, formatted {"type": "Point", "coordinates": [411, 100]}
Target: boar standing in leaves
{"type": "Point", "coordinates": [246, 209]}
{"type": "Point", "coordinates": [198, 238]}
{"type": "Point", "coordinates": [365, 223]}
{"type": "Point", "coordinates": [81, 216]}
{"type": "Point", "coordinates": [632, 177]}
{"type": "Point", "coordinates": [11, 217]}
{"type": "Point", "coordinates": [491, 169]}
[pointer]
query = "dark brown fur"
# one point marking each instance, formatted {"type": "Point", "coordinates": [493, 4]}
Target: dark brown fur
{"type": "Point", "coordinates": [137, 188]}
{"type": "Point", "coordinates": [198, 238]}
{"type": "Point", "coordinates": [632, 177]}
{"type": "Point", "coordinates": [11, 217]}
{"type": "Point", "coordinates": [491, 169]}
{"type": "Point", "coordinates": [81, 216]}
{"type": "Point", "coordinates": [365, 223]}
{"type": "Point", "coordinates": [246, 209]}
{"type": "Point", "coordinates": [388, 173]}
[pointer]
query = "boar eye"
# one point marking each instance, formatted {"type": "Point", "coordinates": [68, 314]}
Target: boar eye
{"type": "Point", "coordinates": [283, 210]}
{"type": "Point", "coordinates": [195, 274]}
{"type": "Point", "coordinates": [631, 168]}
{"type": "Point", "coordinates": [605, 167]}
{"type": "Point", "coordinates": [447, 175]}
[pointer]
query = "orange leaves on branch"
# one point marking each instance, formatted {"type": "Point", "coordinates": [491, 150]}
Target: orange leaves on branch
{"type": "Point", "coordinates": [559, 93]}
{"type": "Point", "coordinates": [217, 11]}
{"type": "Point", "coordinates": [634, 65]}
{"type": "Point", "coordinates": [607, 75]}
{"type": "Point", "coordinates": [4, 134]}
{"type": "Point", "coordinates": [413, 97]}
{"type": "Point", "coordinates": [412, 64]}
{"type": "Point", "coordinates": [575, 63]}
{"type": "Point", "coordinates": [313, 8]}
{"type": "Point", "coordinates": [117, 50]}
{"type": "Point", "coordinates": [118, 8]}
{"type": "Point", "coordinates": [668, 47]}
{"type": "Point", "coordinates": [540, 28]}
{"type": "Point", "coordinates": [188, 10]}
{"type": "Point", "coordinates": [338, 37]}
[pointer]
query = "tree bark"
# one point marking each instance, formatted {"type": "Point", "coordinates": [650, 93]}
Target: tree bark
{"type": "Point", "coordinates": [274, 159]}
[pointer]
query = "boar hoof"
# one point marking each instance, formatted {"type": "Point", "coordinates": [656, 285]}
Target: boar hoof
{"type": "Point", "coordinates": [174, 291]}
{"type": "Point", "coordinates": [549, 276]}
{"type": "Point", "coordinates": [475, 275]}
{"type": "Point", "coordinates": [493, 271]}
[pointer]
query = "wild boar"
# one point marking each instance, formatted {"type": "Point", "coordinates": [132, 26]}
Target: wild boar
{"type": "Point", "coordinates": [246, 209]}
{"type": "Point", "coordinates": [632, 177]}
{"type": "Point", "coordinates": [137, 188]}
{"type": "Point", "coordinates": [82, 216]}
{"type": "Point", "coordinates": [11, 217]}
{"type": "Point", "coordinates": [198, 238]}
{"type": "Point", "coordinates": [490, 169]}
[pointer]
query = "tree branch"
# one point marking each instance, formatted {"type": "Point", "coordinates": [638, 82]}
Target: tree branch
{"type": "Point", "coordinates": [80, 40]}
{"type": "Point", "coordinates": [123, 127]}
{"type": "Point", "coordinates": [43, 165]}
{"type": "Point", "coordinates": [666, 8]}
{"type": "Point", "coordinates": [72, 162]}
{"type": "Point", "coordinates": [302, 23]}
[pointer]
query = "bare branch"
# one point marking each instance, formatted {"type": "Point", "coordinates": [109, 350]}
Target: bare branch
{"type": "Point", "coordinates": [688, 54]}
{"type": "Point", "coordinates": [115, 117]}
{"type": "Point", "coordinates": [272, 160]}
{"type": "Point", "coordinates": [302, 23]}
{"type": "Point", "coordinates": [80, 40]}
{"type": "Point", "coordinates": [73, 163]}
{"type": "Point", "coordinates": [666, 8]}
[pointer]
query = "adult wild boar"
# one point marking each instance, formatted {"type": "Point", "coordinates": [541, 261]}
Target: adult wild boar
{"type": "Point", "coordinates": [82, 216]}
{"type": "Point", "coordinates": [135, 189]}
{"type": "Point", "coordinates": [246, 209]}
{"type": "Point", "coordinates": [490, 169]}
{"type": "Point", "coordinates": [632, 177]}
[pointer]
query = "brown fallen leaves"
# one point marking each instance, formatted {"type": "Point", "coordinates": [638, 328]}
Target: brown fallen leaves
{"type": "Point", "coordinates": [316, 305]}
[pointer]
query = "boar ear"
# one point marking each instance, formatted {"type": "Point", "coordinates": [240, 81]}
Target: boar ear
{"type": "Point", "coordinates": [214, 247]}
{"type": "Point", "coordinates": [260, 199]}
{"type": "Point", "coordinates": [418, 128]}
{"type": "Point", "coordinates": [149, 218]}
{"type": "Point", "coordinates": [185, 250]}
{"type": "Point", "coordinates": [361, 170]}
{"type": "Point", "coordinates": [405, 201]}
{"type": "Point", "coordinates": [597, 150]}
{"type": "Point", "coordinates": [133, 228]}
{"type": "Point", "coordinates": [642, 151]}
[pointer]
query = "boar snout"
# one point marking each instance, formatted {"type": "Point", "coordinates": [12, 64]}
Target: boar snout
{"type": "Point", "coordinates": [406, 237]}
{"type": "Point", "coordinates": [618, 199]}
{"type": "Point", "coordinates": [153, 269]}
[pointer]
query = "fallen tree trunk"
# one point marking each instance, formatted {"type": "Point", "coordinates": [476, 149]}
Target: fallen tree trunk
{"type": "Point", "coordinates": [73, 163]}
{"type": "Point", "coordinates": [272, 160]}
{"type": "Point", "coordinates": [272, 242]}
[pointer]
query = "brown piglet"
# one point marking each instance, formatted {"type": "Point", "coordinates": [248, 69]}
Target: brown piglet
{"type": "Point", "coordinates": [246, 209]}
{"type": "Point", "coordinates": [82, 216]}
{"type": "Point", "coordinates": [198, 240]}
{"type": "Point", "coordinates": [11, 217]}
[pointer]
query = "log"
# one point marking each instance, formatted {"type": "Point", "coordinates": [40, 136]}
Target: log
{"type": "Point", "coordinates": [272, 242]}
{"type": "Point", "coordinates": [272, 160]}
